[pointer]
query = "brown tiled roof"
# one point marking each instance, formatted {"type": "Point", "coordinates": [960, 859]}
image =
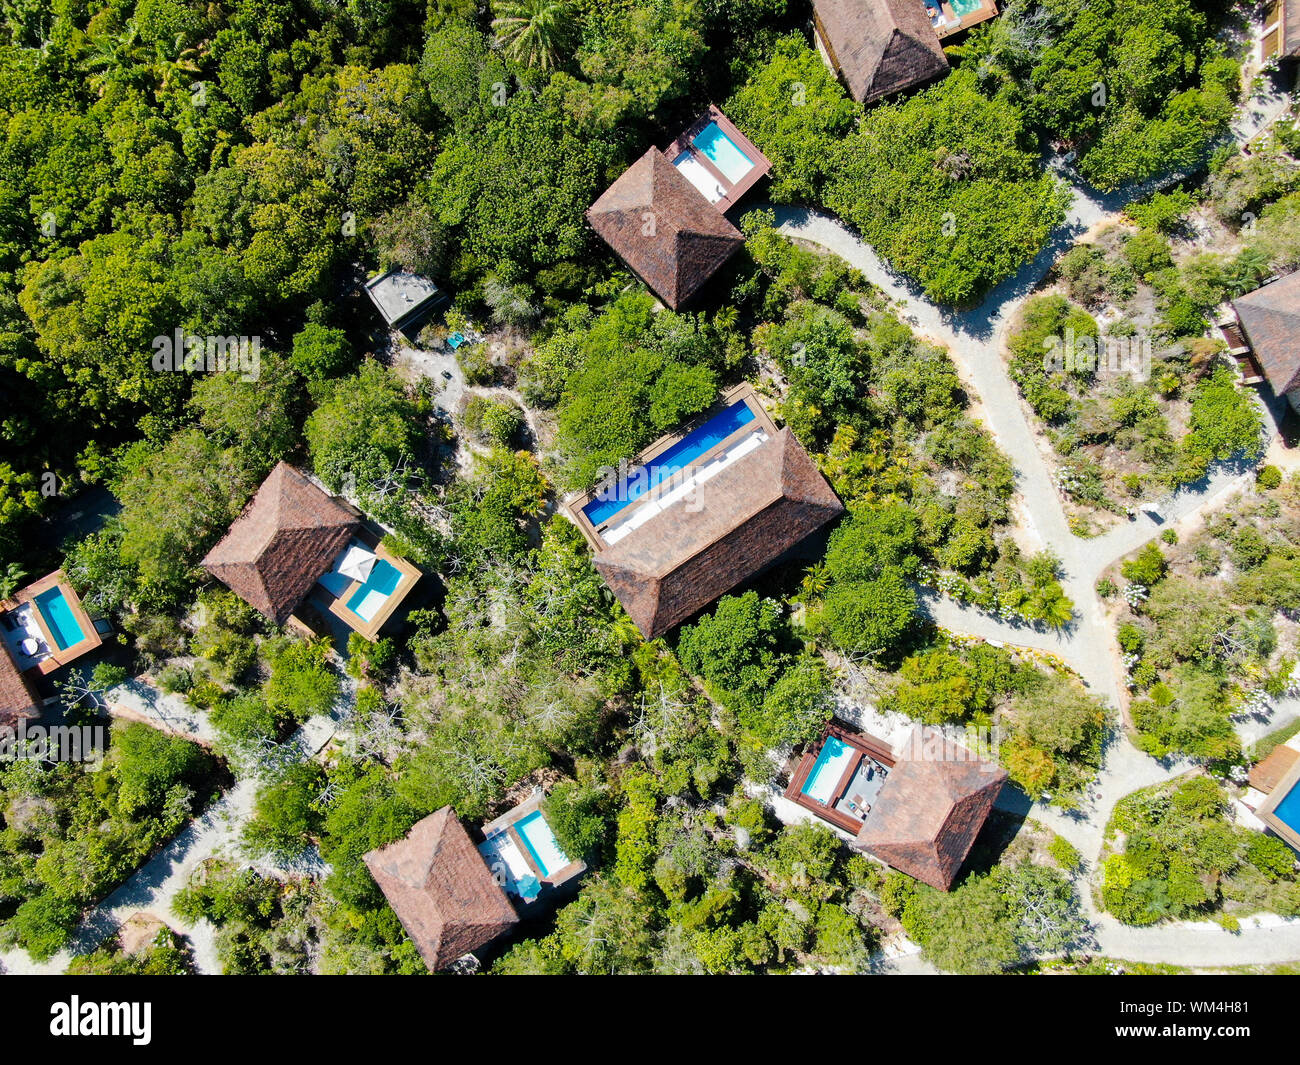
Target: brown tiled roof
{"type": "Point", "coordinates": [280, 545]}
{"type": "Point", "coordinates": [1271, 318]}
{"type": "Point", "coordinates": [1266, 774]}
{"type": "Point", "coordinates": [931, 808]}
{"type": "Point", "coordinates": [18, 698]}
{"type": "Point", "coordinates": [441, 889]}
{"type": "Point", "coordinates": [663, 228]}
{"type": "Point", "coordinates": [744, 518]}
{"type": "Point", "coordinates": [880, 46]}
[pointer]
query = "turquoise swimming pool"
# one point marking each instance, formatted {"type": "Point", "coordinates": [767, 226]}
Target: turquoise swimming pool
{"type": "Point", "coordinates": [834, 759]}
{"type": "Point", "coordinates": [1288, 810]}
{"type": "Point", "coordinates": [690, 447]}
{"type": "Point", "coordinates": [59, 618]}
{"type": "Point", "coordinates": [367, 600]}
{"type": "Point", "coordinates": [541, 843]}
{"type": "Point", "coordinates": [723, 153]}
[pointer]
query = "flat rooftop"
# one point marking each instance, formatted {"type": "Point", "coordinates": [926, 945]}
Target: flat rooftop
{"type": "Point", "coordinates": [401, 296]}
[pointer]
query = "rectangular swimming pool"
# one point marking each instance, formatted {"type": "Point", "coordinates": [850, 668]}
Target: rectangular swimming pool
{"type": "Point", "coordinates": [1288, 810]}
{"type": "Point", "coordinates": [541, 843]}
{"type": "Point", "coordinates": [59, 618]}
{"type": "Point", "coordinates": [723, 152]}
{"type": "Point", "coordinates": [611, 500]}
{"type": "Point", "coordinates": [367, 600]}
{"type": "Point", "coordinates": [834, 759]}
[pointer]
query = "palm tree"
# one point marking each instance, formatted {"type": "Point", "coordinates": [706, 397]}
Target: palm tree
{"type": "Point", "coordinates": [814, 582]}
{"type": "Point", "coordinates": [1057, 610]}
{"type": "Point", "coordinates": [535, 32]}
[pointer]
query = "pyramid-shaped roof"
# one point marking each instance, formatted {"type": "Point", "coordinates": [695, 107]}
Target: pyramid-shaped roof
{"type": "Point", "coordinates": [1271, 318]}
{"type": "Point", "coordinates": [663, 228]}
{"type": "Point", "coordinates": [928, 813]}
{"type": "Point", "coordinates": [18, 698]}
{"type": "Point", "coordinates": [880, 46]}
{"type": "Point", "coordinates": [741, 521]}
{"type": "Point", "coordinates": [441, 889]}
{"type": "Point", "coordinates": [287, 536]}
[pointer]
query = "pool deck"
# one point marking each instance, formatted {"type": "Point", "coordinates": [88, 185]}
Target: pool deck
{"type": "Point", "coordinates": [1266, 810]}
{"type": "Point", "coordinates": [51, 657]}
{"type": "Point", "coordinates": [954, 23]}
{"type": "Point", "coordinates": [506, 822]}
{"type": "Point", "coordinates": [574, 506]}
{"type": "Point", "coordinates": [338, 604]}
{"type": "Point", "coordinates": [732, 191]}
{"type": "Point", "coordinates": [877, 750]}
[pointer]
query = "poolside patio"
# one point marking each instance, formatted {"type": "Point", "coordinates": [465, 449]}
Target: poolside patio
{"type": "Point", "coordinates": [953, 16]}
{"type": "Point", "coordinates": [718, 159]}
{"type": "Point", "coordinates": [365, 585]}
{"type": "Point", "coordinates": [44, 626]}
{"type": "Point", "coordinates": [524, 857]}
{"type": "Point", "coordinates": [842, 788]}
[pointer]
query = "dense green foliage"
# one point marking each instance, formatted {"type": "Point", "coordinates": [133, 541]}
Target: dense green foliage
{"type": "Point", "coordinates": [946, 187]}
{"type": "Point", "coordinates": [1182, 856]}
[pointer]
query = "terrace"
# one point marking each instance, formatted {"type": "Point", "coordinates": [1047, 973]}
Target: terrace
{"type": "Point", "coordinates": [44, 626]}
{"type": "Point", "coordinates": [952, 16]}
{"type": "Point", "coordinates": [523, 855]}
{"type": "Point", "coordinates": [840, 776]}
{"type": "Point", "coordinates": [1277, 777]}
{"type": "Point", "coordinates": [667, 472]}
{"type": "Point", "coordinates": [719, 160]}
{"type": "Point", "coordinates": [364, 585]}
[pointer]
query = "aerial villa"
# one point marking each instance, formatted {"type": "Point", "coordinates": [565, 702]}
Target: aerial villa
{"type": "Point", "coordinates": [1265, 336]}
{"type": "Point", "coordinates": [918, 809]}
{"type": "Point", "coordinates": [454, 897]}
{"type": "Point", "coordinates": [1274, 794]}
{"type": "Point", "coordinates": [43, 627]}
{"type": "Point", "coordinates": [665, 215]}
{"type": "Point", "coordinates": [701, 511]}
{"type": "Point", "coordinates": [881, 47]}
{"type": "Point", "coordinates": [303, 557]}
{"type": "Point", "coordinates": [405, 299]}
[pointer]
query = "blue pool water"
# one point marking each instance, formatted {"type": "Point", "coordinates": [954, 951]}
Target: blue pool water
{"type": "Point", "coordinates": [541, 843]}
{"type": "Point", "coordinates": [690, 447]}
{"type": "Point", "coordinates": [826, 771]}
{"type": "Point", "coordinates": [367, 599]}
{"type": "Point", "coordinates": [1288, 810]}
{"type": "Point", "coordinates": [723, 153]}
{"type": "Point", "coordinates": [58, 615]}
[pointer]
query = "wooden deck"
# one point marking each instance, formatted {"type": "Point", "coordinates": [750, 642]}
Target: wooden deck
{"type": "Point", "coordinates": [867, 747]}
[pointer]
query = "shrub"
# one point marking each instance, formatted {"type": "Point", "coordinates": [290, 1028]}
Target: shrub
{"type": "Point", "coordinates": [1268, 478]}
{"type": "Point", "coordinates": [1065, 854]}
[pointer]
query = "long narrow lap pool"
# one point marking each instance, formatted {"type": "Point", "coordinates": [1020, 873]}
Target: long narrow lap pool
{"type": "Point", "coordinates": [640, 480]}
{"type": "Point", "coordinates": [60, 619]}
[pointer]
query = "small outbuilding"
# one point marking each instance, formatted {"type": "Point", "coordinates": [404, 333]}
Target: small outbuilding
{"type": "Point", "coordinates": [404, 298]}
